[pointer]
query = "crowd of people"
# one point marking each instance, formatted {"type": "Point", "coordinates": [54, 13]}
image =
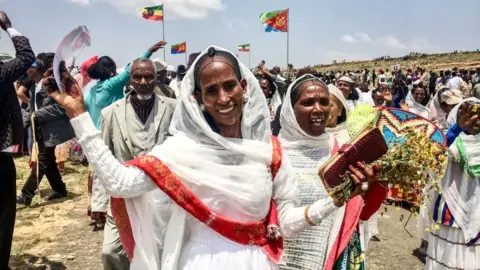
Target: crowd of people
{"type": "Point", "coordinates": [216, 165]}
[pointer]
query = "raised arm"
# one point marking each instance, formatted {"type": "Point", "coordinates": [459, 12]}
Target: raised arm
{"type": "Point", "coordinates": [118, 180]}
{"type": "Point", "coordinates": [12, 70]}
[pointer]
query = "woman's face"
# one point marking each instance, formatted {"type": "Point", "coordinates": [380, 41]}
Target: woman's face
{"type": "Point", "coordinates": [265, 85]}
{"type": "Point", "coordinates": [335, 112]}
{"type": "Point", "coordinates": [222, 94]}
{"type": "Point", "coordinates": [419, 95]}
{"type": "Point", "coordinates": [378, 99]}
{"type": "Point", "coordinates": [344, 87]}
{"type": "Point", "coordinates": [312, 109]}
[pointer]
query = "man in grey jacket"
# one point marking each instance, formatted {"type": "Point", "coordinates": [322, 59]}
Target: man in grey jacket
{"type": "Point", "coordinates": [52, 127]}
{"type": "Point", "coordinates": [131, 127]}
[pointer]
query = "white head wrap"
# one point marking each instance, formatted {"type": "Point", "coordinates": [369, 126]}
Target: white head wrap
{"type": "Point", "coordinates": [435, 111]}
{"type": "Point", "coordinates": [340, 131]}
{"type": "Point", "coordinates": [416, 107]}
{"type": "Point", "coordinates": [460, 188]}
{"type": "Point", "coordinates": [291, 132]}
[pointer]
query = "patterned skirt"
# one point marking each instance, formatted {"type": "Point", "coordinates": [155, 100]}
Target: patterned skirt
{"type": "Point", "coordinates": [352, 258]}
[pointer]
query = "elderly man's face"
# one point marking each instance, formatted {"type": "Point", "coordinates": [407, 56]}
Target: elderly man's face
{"type": "Point", "coordinates": [162, 76]}
{"type": "Point", "coordinates": [143, 77]}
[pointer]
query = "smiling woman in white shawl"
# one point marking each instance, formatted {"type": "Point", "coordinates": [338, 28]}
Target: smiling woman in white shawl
{"type": "Point", "coordinates": [414, 101]}
{"type": "Point", "coordinates": [333, 243]}
{"type": "Point", "coordinates": [455, 244]}
{"type": "Point", "coordinates": [337, 122]}
{"type": "Point", "coordinates": [230, 185]}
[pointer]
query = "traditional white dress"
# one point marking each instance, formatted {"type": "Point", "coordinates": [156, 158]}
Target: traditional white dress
{"type": "Point", "coordinates": [456, 245]}
{"type": "Point", "coordinates": [313, 247]}
{"type": "Point", "coordinates": [230, 176]}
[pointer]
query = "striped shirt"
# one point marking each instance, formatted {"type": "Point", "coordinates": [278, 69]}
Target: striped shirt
{"type": "Point", "coordinates": [142, 108]}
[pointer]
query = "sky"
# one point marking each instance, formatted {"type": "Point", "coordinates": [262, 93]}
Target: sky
{"type": "Point", "coordinates": [320, 31]}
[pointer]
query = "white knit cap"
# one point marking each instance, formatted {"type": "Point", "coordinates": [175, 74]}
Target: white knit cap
{"type": "Point", "coordinates": [345, 79]}
{"type": "Point", "coordinates": [160, 64]}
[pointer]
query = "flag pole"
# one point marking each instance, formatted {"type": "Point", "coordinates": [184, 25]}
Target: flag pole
{"type": "Point", "coordinates": [288, 36]}
{"type": "Point", "coordinates": [249, 56]}
{"type": "Point", "coordinates": [163, 33]}
{"type": "Point", "coordinates": [186, 61]}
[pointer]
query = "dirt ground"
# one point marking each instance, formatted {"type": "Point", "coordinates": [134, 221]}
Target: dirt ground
{"type": "Point", "coordinates": [59, 235]}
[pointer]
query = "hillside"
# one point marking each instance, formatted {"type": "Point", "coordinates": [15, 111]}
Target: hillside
{"type": "Point", "coordinates": [431, 62]}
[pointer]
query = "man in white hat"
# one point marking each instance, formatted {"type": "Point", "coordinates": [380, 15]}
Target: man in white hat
{"type": "Point", "coordinates": [449, 99]}
{"type": "Point", "coordinates": [162, 87]}
{"type": "Point", "coordinates": [352, 94]}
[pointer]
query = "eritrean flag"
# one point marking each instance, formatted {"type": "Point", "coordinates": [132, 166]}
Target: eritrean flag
{"type": "Point", "coordinates": [244, 48]}
{"type": "Point", "coordinates": [153, 13]}
{"type": "Point", "coordinates": [179, 48]}
{"type": "Point", "coordinates": [275, 21]}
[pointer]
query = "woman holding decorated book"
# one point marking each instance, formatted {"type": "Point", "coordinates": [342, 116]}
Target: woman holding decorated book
{"type": "Point", "coordinates": [453, 242]}
{"type": "Point", "coordinates": [333, 243]}
{"type": "Point", "coordinates": [230, 185]}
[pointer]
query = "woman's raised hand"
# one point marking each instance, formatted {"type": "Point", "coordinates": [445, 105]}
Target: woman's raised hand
{"type": "Point", "coordinates": [71, 98]}
{"type": "Point", "coordinates": [467, 117]}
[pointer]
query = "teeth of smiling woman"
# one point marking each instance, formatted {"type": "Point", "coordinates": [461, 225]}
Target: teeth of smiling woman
{"type": "Point", "coordinates": [226, 110]}
{"type": "Point", "coordinates": [317, 120]}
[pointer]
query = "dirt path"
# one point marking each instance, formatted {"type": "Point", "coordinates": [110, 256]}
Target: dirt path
{"type": "Point", "coordinates": [58, 236]}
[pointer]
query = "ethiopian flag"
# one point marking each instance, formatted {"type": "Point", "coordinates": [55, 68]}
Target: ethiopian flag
{"type": "Point", "coordinates": [179, 48]}
{"type": "Point", "coordinates": [244, 48]}
{"type": "Point", "coordinates": [153, 13]}
{"type": "Point", "coordinates": [275, 21]}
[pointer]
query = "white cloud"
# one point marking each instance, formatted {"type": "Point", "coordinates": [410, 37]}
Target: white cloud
{"type": "Point", "coordinates": [348, 39]}
{"type": "Point", "coordinates": [421, 45]}
{"type": "Point", "coordinates": [391, 42]}
{"type": "Point", "coordinates": [174, 9]}
{"type": "Point", "coordinates": [364, 37]}
{"type": "Point", "coordinates": [81, 2]}
{"type": "Point", "coordinates": [230, 27]}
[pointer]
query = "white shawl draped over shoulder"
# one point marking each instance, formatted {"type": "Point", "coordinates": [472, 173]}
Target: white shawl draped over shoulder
{"type": "Point", "coordinates": [461, 190]}
{"type": "Point", "coordinates": [309, 250]}
{"type": "Point", "coordinates": [416, 107]}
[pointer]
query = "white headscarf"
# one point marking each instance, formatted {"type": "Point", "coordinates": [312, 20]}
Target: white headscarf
{"type": "Point", "coordinates": [416, 107]}
{"type": "Point", "coordinates": [436, 113]}
{"type": "Point", "coordinates": [291, 132]}
{"type": "Point", "coordinates": [461, 189]}
{"type": "Point", "coordinates": [309, 250]}
{"type": "Point", "coordinates": [229, 175]}
{"type": "Point", "coordinates": [340, 131]}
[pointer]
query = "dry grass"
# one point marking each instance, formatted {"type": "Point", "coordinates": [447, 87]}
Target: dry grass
{"type": "Point", "coordinates": [431, 62]}
{"type": "Point", "coordinates": [58, 236]}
